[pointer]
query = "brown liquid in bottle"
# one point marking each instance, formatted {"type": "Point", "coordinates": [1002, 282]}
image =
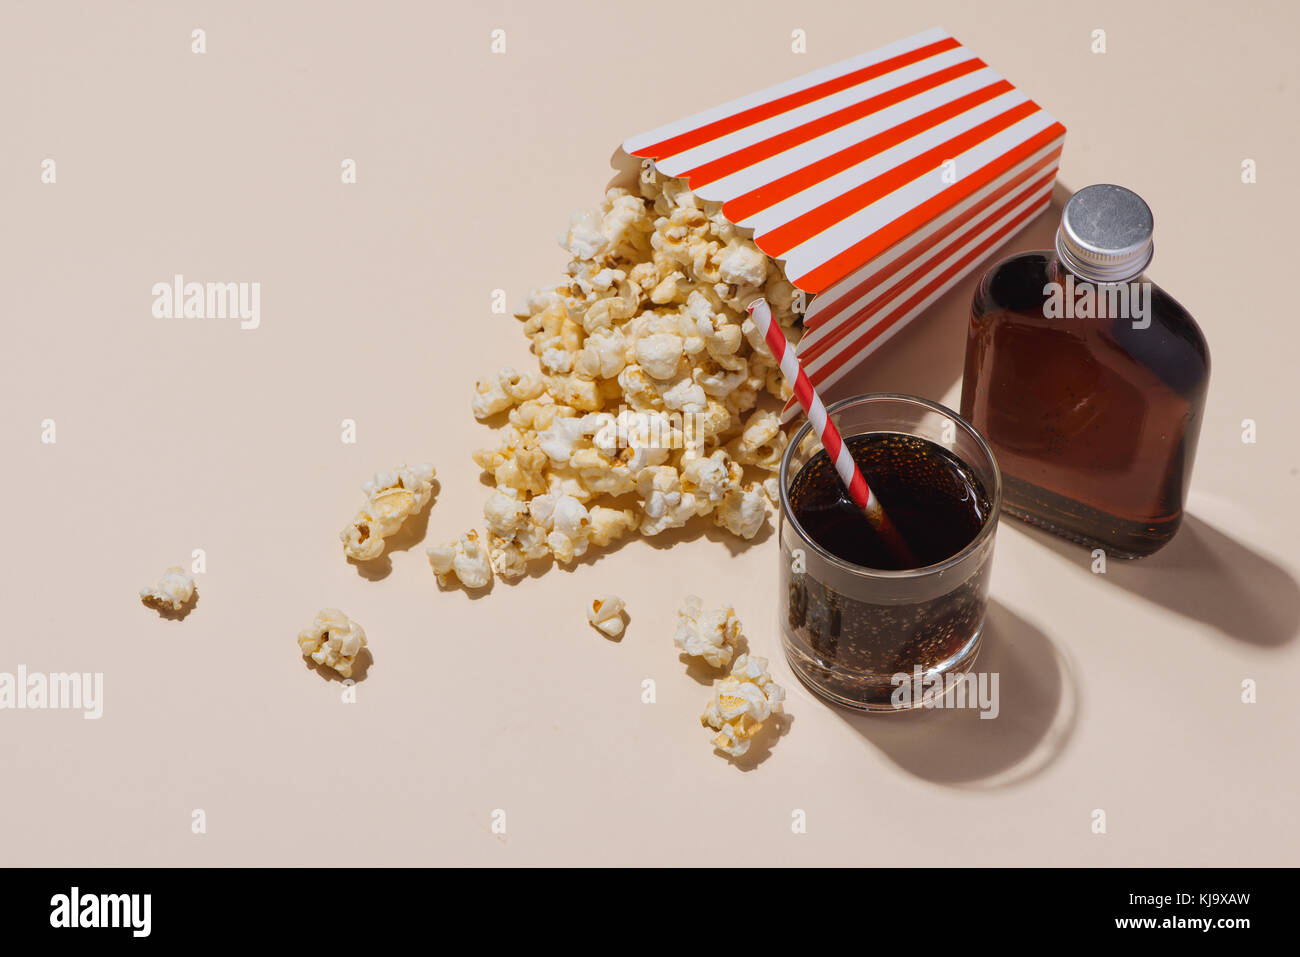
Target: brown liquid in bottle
{"type": "Point", "coordinates": [1094, 421]}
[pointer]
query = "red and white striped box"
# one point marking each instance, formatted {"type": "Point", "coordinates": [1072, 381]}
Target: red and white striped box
{"type": "Point", "coordinates": [876, 183]}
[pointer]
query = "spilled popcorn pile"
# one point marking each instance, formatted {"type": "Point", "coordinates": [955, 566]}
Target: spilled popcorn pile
{"type": "Point", "coordinates": [744, 699]}
{"type": "Point", "coordinates": [645, 409]}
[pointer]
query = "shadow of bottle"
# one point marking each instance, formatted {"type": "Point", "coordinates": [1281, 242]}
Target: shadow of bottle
{"type": "Point", "coordinates": [1036, 707]}
{"type": "Point", "coordinates": [1208, 576]}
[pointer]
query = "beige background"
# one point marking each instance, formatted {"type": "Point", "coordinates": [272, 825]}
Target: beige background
{"type": "Point", "coordinates": [1119, 692]}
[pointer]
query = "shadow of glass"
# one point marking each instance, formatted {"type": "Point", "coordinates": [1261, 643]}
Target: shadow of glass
{"type": "Point", "coordinates": [1037, 700]}
{"type": "Point", "coordinates": [1206, 575]}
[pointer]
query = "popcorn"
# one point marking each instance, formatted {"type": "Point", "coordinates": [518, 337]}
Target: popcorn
{"type": "Point", "coordinates": [520, 387]}
{"type": "Point", "coordinates": [542, 508]}
{"type": "Point", "coordinates": [560, 439]}
{"type": "Point", "coordinates": [464, 559]}
{"type": "Point", "coordinates": [505, 513]}
{"type": "Point", "coordinates": [580, 393]}
{"type": "Point", "coordinates": [392, 498]}
{"type": "Point", "coordinates": [333, 640]}
{"type": "Point", "coordinates": [605, 312]}
{"type": "Point", "coordinates": [742, 701]}
{"type": "Point", "coordinates": [608, 480]}
{"type": "Point", "coordinates": [679, 194]}
{"type": "Point", "coordinates": [608, 524]}
{"type": "Point", "coordinates": [173, 591]}
{"type": "Point", "coordinates": [569, 518]}
{"type": "Point", "coordinates": [743, 511]}
{"type": "Point", "coordinates": [584, 239]}
{"type": "Point", "coordinates": [723, 339]}
{"type": "Point", "coordinates": [638, 388]}
{"type": "Point", "coordinates": [531, 540]}
{"type": "Point", "coordinates": [556, 361]}
{"type": "Point", "coordinates": [714, 422]}
{"type": "Point", "coordinates": [537, 301]}
{"type": "Point", "coordinates": [489, 398]}
{"type": "Point", "coordinates": [570, 527]}
{"type": "Point", "coordinates": [667, 290]}
{"type": "Point", "coordinates": [743, 398]}
{"type": "Point", "coordinates": [606, 615]}
{"type": "Point", "coordinates": [712, 635]}
{"type": "Point", "coordinates": [666, 505]}
{"type": "Point", "coordinates": [713, 476]}
{"type": "Point", "coordinates": [659, 354]}
{"type": "Point", "coordinates": [536, 414]}
{"type": "Point", "coordinates": [685, 395]}
{"type": "Point", "coordinates": [743, 263]}
{"type": "Point", "coordinates": [606, 278]}
{"type": "Point", "coordinates": [761, 442]}
{"type": "Point", "coordinates": [719, 376]}
{"type": "Point", "coordinates": [517, 463]}
{"type": "Point", "coordinates": [565, 480]}
{"type": "Point", "coordinates": [506, 558]}
{"type": "Point", "coordinates": [647, 328]}
{"type": "Point", "coordinates": [603, 356]}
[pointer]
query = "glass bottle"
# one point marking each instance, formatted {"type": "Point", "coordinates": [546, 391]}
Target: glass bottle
{"type": "Point", "coordinates": [1089, 381]}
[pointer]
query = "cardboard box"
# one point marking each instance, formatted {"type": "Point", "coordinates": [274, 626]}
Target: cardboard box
{"type": "Point", "coordinates": [876, 183]}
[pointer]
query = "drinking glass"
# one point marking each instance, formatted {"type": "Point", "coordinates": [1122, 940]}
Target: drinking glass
{"type": "Point", "coordinates": [850, 632]}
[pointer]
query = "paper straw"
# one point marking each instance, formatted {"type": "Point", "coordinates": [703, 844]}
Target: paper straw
{"type": "Point", "coordinates": [847, 469]}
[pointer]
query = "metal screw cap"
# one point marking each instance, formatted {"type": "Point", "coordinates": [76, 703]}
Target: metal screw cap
{"type": "Point", "coordinates": [1105, 234]}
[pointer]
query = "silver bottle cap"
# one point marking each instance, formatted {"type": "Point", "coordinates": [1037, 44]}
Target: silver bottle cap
{"type": "Point", "coordinates": [1105, 234]}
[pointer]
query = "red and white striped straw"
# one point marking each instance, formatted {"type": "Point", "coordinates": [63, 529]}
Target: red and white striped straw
{"type": "Point", "coordinates": [826, 431]}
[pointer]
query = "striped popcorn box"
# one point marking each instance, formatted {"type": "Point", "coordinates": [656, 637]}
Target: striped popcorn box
{"type": "Point", "coordinates": [876, 183]}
